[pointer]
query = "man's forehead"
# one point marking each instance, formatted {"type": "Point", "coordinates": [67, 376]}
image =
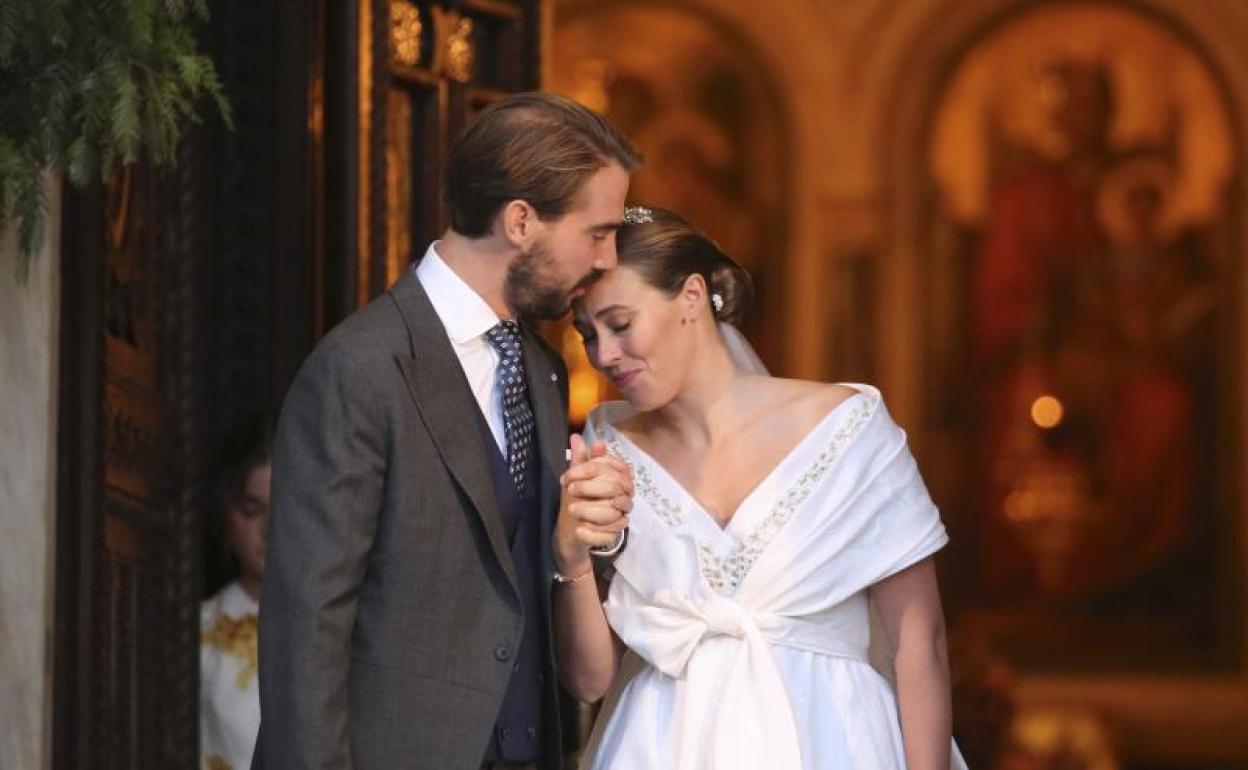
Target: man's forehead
{"type": "Point", "coordinates": [598, 199]}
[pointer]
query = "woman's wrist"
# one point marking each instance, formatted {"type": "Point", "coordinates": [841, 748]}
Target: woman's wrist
{"type": "Point", "coordinates": [577, 562]}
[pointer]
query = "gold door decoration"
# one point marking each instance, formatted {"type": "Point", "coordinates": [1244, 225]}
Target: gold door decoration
{"type": "Point", "coordinates": [455, 55]}
{"type": "Point", "coordinates": [406, 28]}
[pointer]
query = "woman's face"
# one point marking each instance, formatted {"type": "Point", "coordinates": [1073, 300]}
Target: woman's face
{"type": "Point", "coordinates": [633, 334]}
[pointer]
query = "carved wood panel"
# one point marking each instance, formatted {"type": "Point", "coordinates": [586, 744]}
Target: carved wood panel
{"type": "Point", "coordinates": [126, 689]}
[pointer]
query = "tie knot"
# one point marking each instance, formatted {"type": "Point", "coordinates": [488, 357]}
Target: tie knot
{"type": "Point", "coordinates": [724, 617]}
{"type": "Point", "coordinates": [505, 337]}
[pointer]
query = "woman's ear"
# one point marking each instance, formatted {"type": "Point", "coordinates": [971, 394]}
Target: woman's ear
{"type": "Point", "coordinates": [520, 223]}
{"type": "Point", "coordinates": [693, 295]}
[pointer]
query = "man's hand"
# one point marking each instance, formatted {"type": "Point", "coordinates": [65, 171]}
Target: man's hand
{"type": "Point", "coordinates": [597, 497]}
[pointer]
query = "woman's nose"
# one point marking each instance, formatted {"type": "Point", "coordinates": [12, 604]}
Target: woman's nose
{"type": "Point", "coordinates": [608, 353]}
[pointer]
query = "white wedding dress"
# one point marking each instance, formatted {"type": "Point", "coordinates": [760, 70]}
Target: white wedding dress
{"type": "Point", "coordinates": [748, 645]}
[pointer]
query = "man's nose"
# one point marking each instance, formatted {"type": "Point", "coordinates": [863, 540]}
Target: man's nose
{"type": "Point", "coordinates": [607, 257]}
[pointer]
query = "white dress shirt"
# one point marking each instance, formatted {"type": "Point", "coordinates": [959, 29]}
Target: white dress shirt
{"type": "Point", "coordinates": [467, 317]}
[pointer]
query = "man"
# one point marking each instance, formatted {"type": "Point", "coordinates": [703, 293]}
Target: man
{"type": "Point", "coordinates": [405, 618]}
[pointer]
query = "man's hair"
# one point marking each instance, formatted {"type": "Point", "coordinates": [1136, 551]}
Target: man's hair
{"type": "Point", "coordinates": [536, 147]}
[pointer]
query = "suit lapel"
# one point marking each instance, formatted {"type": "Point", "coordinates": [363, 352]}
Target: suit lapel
{"type": "Point", "coordinates": [436, 382]}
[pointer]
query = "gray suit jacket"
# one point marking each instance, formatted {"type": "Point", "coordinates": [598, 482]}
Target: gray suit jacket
{"type": "Point", "coordinates": [389, 608]}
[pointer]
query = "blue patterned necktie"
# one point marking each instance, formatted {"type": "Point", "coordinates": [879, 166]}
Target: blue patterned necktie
{"type": "Point", "coordinates": [517, 414]}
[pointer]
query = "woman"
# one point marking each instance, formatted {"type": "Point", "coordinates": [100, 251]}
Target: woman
{"type": "Point", "coordinates": [768, 514]}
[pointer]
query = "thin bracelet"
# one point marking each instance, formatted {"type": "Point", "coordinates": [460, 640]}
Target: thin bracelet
{"type": "Point", "coordinates": [606, 552]}
{"type": "Point", "coordinates": [562, 578]}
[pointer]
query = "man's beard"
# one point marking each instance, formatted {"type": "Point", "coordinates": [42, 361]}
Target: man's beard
{"type": "Point", "coordinates": [530, 293]}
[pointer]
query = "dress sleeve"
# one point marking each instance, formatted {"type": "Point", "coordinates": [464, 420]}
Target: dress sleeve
{"type": "Point", "coordinates": [904, 527]}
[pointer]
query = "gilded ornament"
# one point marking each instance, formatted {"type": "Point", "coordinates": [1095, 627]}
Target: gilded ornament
{"type": "Point", "coordinates": [405, 30]}
{"type": "Point", "coordinates": [459, 51]}
{"type": "Point", "coordinates": [216, 762]}
{"type": "Point", "coordinates": [236, 637]}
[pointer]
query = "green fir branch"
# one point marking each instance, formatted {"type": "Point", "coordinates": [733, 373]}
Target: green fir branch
{"type": "Point", "coordinates": [88, 85]}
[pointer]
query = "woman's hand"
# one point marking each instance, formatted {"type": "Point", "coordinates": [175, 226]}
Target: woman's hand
{"type": "Point", "coordinates": [593, 511]}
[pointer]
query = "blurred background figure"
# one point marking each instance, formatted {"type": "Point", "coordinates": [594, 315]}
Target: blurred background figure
{"type": "Point", "coordinates": [229, 687]}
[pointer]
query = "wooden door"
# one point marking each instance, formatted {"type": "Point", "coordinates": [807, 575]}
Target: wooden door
{"type": "Point", "coordinates": [127, 591]}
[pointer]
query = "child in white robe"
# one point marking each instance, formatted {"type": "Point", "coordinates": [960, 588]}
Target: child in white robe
{"type": "Point", "coordinates": [229, 689]}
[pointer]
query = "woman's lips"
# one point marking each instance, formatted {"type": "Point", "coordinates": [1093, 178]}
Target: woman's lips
{"type": "Point", "coordinates": [623, 379]}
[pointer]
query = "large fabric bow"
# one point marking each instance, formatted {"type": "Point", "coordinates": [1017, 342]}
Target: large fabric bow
{"type": "Point", "coordinates": [670, 634]}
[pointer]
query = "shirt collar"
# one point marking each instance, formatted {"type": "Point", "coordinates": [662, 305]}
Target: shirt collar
{"type": "Point", "coordinates": [462, 311]}
{"type": "Point", "coordinates": [236, 602]}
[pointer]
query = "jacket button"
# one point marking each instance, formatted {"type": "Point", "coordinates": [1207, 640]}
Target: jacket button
{"type": "Point", "coordinates": [505, 733]}
{"type": "Point", "coordinates": [502, 652]}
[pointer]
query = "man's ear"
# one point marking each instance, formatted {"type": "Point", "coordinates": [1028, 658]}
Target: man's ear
{"type": "Point", "coordinates": [520, 223]}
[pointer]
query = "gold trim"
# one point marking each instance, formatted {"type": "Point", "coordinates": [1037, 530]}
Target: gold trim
{"type": "Point", "coordinates": [405, 31]}
{"type": "Point", "coordinates": [363, 199]}
{"type": "Point", "coordinates": [454, 52]}
{"type": "Point", "coordinates": [398, 183]}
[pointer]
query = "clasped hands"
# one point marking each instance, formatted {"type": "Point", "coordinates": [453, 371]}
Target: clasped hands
{"type": "Point", "coordinates": [597, 495]}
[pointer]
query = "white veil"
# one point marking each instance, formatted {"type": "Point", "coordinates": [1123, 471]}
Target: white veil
{"type": "Point", "coordinates": [740, 350]}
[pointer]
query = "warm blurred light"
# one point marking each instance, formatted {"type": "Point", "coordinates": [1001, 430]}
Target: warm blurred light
{"type": "Point", "coordinates": [585, 386]}
{"type": "Point", "coordinates": [1059, 736]}
{"type": "Point", "coordinates": [1020, 505]}
{"type": "Point", "coordinates": [593, 78]}
{"type": "Point", "coordinates": [1047, 412]}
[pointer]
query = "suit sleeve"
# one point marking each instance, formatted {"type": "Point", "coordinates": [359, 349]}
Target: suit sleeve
{"type": "Point", "coordinates": [329, 464]}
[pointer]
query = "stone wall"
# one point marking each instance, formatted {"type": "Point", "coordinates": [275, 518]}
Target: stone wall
{"type": "Point", "coordinates": [29, 324]}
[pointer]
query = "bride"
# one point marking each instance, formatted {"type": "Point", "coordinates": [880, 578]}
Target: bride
{"type": "Point", "coordinates": [769, 515]}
